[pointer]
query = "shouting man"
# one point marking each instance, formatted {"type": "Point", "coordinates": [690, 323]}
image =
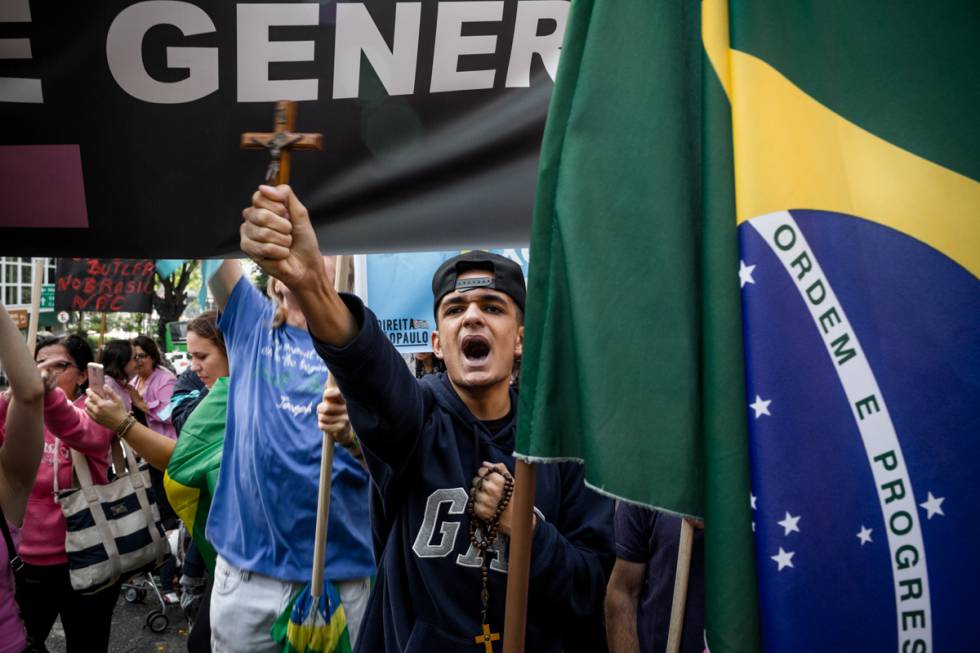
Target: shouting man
{"type": "Point", "coordinates": [440, 452]}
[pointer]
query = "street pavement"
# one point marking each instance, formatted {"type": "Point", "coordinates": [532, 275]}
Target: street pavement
{"type": "Point", "coordinates": [129, 631]}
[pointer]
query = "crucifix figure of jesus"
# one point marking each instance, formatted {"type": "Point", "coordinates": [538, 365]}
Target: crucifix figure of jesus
{"type": "Point", "coordinates": [486, 638]}
{"type": "Point", "coordinates": [280, 142]}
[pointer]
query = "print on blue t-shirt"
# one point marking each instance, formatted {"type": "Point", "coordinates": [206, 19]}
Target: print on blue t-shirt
{"type": "Point", "coordinates": [264, 512]}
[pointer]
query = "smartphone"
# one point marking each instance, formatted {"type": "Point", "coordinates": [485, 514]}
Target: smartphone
{"type": "Point", "coordinates": [96, 377]}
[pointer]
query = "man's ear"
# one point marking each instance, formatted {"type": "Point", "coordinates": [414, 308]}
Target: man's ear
{"type": "Point", "coordinates": [436, 345]}
{"type": "Point", "coordinates": [519, 345]}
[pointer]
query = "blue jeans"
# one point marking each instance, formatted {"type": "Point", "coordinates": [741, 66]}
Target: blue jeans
{"type": "Point", "coordinates": [193, 562]}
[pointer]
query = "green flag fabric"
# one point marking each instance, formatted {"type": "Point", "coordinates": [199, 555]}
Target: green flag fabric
{"type": "Point", "coordinates": [633, 353]}
{"type": "Point", "coordinates": [193, 470]}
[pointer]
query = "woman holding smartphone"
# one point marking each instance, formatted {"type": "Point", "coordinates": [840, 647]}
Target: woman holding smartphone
{"type": "Point", "coordinates": [21, 443]}
{"type": "Point", "coordinates": [209, 361]}
{"type": "Point", "coordinates": [44, 589]}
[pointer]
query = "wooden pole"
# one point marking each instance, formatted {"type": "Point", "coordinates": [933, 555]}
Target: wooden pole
{"type": "Point", "coordinates": [679, 605]}
{"type": "Point", "coordinates": [37, 278]}
{"type": "Point", "coordinates": [102, 332]}
{"type": "Point", "coordinates": [519, 561]}
{"type": "Point", "coordinates": [342, 282]}
{"type": "Point", "coordinates": [322, 514]}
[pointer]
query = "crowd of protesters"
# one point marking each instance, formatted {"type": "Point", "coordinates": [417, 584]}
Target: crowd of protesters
{"type": "Point", "coordinates": [419, 513]}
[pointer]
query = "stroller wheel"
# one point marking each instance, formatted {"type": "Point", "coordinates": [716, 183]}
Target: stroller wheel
{"type": "Point", "coordinates": [157, 621]}
{"type": "Point", "coordinates": [131, 595]}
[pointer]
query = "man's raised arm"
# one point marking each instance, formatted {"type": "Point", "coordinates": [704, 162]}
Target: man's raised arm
{"type": "Point", "coordinates": [277, 235]}
{"type": "Point", "coordinates": [224, 281]}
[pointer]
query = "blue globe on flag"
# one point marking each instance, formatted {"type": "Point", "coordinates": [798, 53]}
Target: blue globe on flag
{"type": "Point", "coordinates": [863, 383]}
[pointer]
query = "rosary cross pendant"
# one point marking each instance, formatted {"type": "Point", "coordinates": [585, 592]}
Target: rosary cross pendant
{"type": "Point", "coordinates": [487, 639]}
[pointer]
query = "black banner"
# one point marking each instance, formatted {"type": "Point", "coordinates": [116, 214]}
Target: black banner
{"type": "Point", "coordinates": [104, 285]}
{"type": "Point", "coordinates": [121, 121]}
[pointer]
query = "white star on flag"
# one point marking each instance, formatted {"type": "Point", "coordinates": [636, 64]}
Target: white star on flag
{"type": "Point", "coordinates": [752, 499]}
{"type": "Point", "coordinates": [790, 524]}
{"type": "Point", "coordinates": [783, 558]}
{"type": "Point", "coordinates": [745, 274]}
{"type": "Point", "coordinates": [933, 506]}
{"type": "Point", "coordinates": [760, 406]}
{"type": "Point", "coordinates": [864, 535]}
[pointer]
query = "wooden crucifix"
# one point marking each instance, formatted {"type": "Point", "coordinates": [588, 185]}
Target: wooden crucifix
{"type": "Point", "coordinates": [280, 142]}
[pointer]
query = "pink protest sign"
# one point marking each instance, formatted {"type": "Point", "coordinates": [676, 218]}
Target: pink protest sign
{"type": "Point", "coordinates": [41, 186]}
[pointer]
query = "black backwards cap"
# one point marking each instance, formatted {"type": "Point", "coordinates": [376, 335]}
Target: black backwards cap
{"type": "Point", "coordinates": [507, 277]}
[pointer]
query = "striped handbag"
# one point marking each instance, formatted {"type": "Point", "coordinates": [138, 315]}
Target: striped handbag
{"type": "Point", "coordinates": [114, 530]}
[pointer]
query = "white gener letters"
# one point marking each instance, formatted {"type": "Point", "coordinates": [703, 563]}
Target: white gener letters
{"type": "Point", "coordinates": [527, 43]}
{"type": "Point", "coordinates": [17, 89]}
{"type": "Point", "coordinates": [124, 52]}
{"type": "Point", "coordinates": [357, 33]}
{"type": "Point", "coordinates": [451, 44]}
{"type": "Point", "coordinates": [256, 51]}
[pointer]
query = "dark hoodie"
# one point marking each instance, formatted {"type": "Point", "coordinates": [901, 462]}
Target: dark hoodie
{"type": "Point", "coordinates": [423, 447]}
{"type": "Point", "coordinates": [189, 391]}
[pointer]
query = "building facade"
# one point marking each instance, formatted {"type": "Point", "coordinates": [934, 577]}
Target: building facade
{"type": "Point", "coordinates": [16, 277]}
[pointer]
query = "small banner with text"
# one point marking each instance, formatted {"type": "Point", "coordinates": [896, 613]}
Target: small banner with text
{"type": "Point", "coordinates": [104, 285]}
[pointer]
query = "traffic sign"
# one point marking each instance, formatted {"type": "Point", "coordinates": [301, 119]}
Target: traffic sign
{"type": "Point", "coordinates": [47, 297]}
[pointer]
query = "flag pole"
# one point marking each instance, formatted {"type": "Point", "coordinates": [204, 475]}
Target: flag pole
{"type": "Point", "coordinates": [519, 560]}
{"type": "Point", "coordinates": [37, 278]}
{"type": "Point", "coordinates": [679, 605]}
{"type": "Point", "coordinates": [322, 513]}
{"type": "Point", "coordinates": [341, 283]}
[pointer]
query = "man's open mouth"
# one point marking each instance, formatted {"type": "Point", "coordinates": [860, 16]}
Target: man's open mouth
{"type": "Point", "coordinates": [475, 348]}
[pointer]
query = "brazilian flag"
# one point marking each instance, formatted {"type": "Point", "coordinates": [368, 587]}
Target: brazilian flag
{"type": "Point", "coordinates": [754, 297]}
{"type": "Point", "coordinates": [193, 470]}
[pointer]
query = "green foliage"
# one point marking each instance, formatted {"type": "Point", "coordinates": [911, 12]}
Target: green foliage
{"type": "Point", "coordinates": [171, 306]}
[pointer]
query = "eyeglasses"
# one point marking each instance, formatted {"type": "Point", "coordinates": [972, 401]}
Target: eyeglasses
{"type": "Point", "coordinates": [141, 356]}
{"type": "Point", "coordinates": [61, 367]}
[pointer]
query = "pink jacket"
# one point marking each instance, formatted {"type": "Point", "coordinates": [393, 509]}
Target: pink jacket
{"type": "Point", "coordinates": [43, 532]}
{"type": "Point", "coordinates": [13, 638]}
{"type": "Point", "coordinates": [159, 388]}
